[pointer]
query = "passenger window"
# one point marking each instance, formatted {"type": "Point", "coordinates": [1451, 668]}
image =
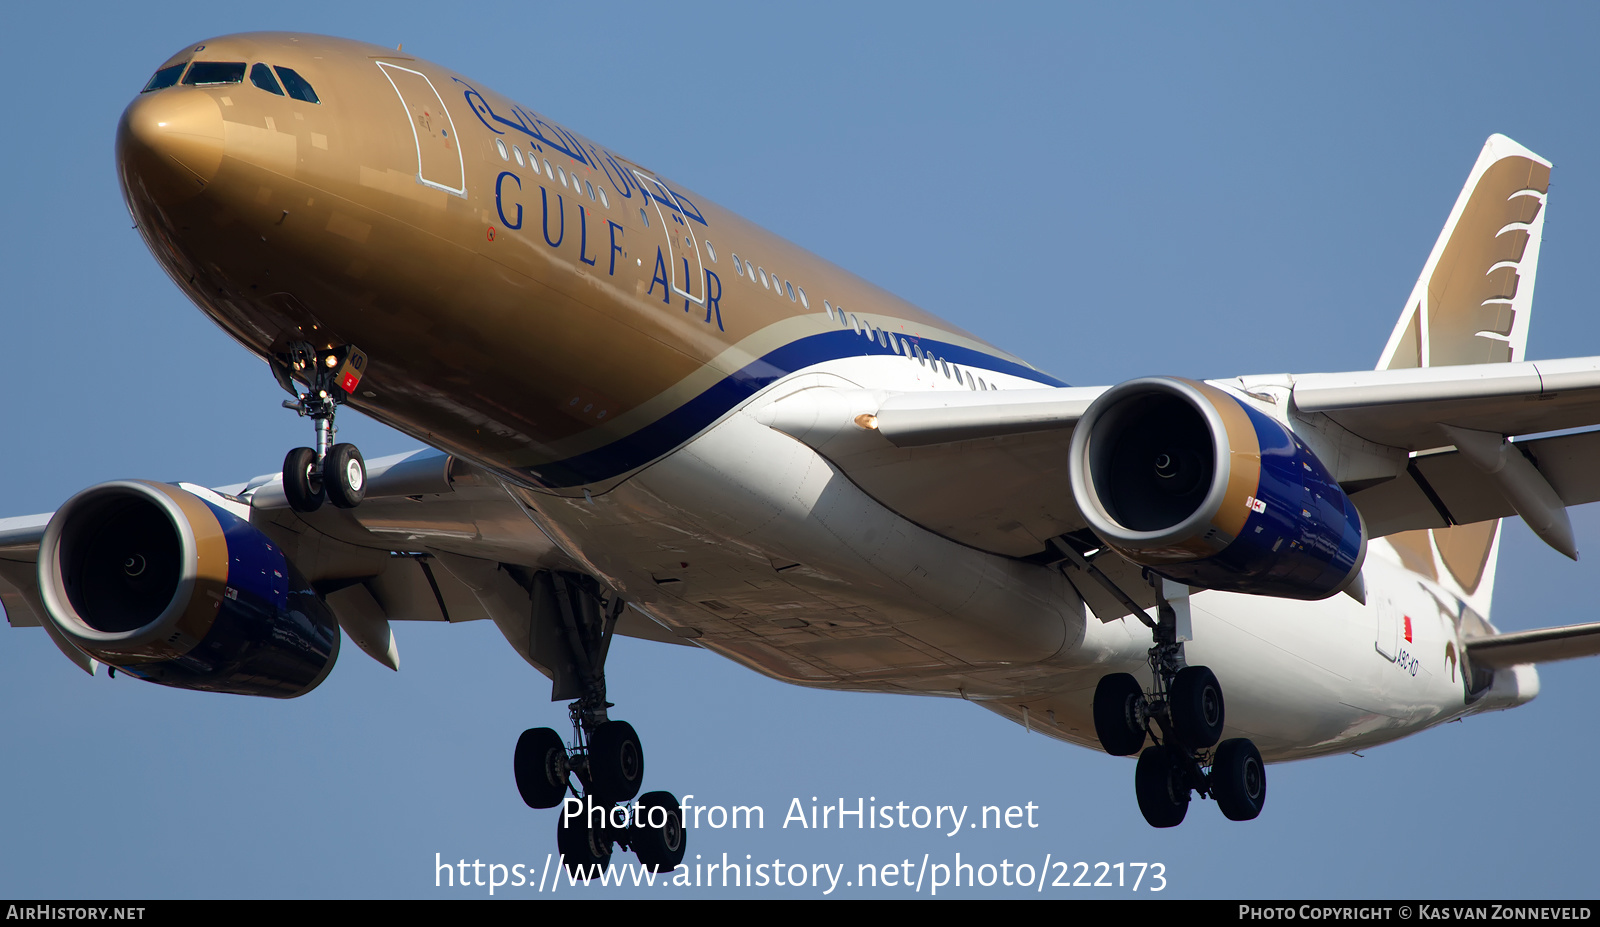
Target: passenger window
{"type": "Point", "coordinates": [261, 76]}
{"type": "Point", "coordinates": [165, 78]}
{"type": "Point", "coordinates": [711, 251]}
{"type": "Point", "coordinates": [518, 152]}
{"type": "Point", "coordinates": [603, 201]}
{"type": "Point", "coordinates": [296, 85]}
{"type": "Point", "coordinates": [763, 272]}
{"type": "Point", "coordinates": [642, 217]}
{"type": "Point", "coordinates": [563, 173]}
{"type": "Point", "coordinates": [212, 73]}
{"type": "Point", "coordinates": [590, 188]}
{"type": "Point", "coordinates": [501, 146]}
{"type": "Point", "coordinates": [826, 307]}
{"type": "Point", "coordinates": [738, 267]}
{"type": "Point", "coordinates": [549, 170]}
{"type": "Point", "coordinates": [790, 287]}
{"type": "Point", "coordinates": [805, 302]}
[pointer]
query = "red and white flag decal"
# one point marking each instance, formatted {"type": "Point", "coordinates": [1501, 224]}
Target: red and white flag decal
{"type": "Point", "coordinates": [1408, 629]}
{"type": "Point", "coordinates": [354, 366]}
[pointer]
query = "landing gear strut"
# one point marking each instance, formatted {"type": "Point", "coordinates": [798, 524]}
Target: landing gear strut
{"type": "Point", "coordinates": [1186, 708]}
{"type": "Point", "coordinates": [606, 757]}
{"type": "Point", "coordinates": [330, 471]}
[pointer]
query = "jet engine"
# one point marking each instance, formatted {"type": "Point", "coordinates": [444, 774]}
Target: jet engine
{"type": "Point", "coordinates": [169, 587]}
{"type": "Point", "coordinates": [1183, 478]}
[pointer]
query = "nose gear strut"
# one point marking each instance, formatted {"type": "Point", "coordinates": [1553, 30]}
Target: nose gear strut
{"type": "Point", "coordinates": [335, 472]}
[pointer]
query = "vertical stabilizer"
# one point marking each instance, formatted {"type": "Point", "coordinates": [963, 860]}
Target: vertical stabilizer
{"type": "Point", "coordinates": [1472, 305]}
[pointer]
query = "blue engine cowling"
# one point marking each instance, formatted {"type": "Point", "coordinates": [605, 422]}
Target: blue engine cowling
{"type": "Point", "coordinates": [169, 587]}
{"type": "Point", "coordinates": [1183, 478]}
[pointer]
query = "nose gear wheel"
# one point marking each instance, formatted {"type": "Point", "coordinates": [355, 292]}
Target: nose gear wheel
{"type": "Point", "coordinates": [332, 472]}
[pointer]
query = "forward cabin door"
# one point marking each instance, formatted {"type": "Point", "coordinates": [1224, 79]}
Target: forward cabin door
{"type": "Point", "coordinates": [439, 161]}
{"type": "Point", "coordinates": [685, 270]}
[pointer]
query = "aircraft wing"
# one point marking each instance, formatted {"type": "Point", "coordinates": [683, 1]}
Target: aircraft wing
{"type": "Point", "coordinates": [990, 469]}
{"type": "Point", "coordinates": [434, 540]}
{"type": "Point", "coordinates": [1452, 428]}
{"type": "Point", "coordinates": [1403, 407]}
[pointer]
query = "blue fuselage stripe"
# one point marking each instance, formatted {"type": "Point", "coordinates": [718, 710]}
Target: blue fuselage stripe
{"type": "Point", "coordinates": [676, 427]}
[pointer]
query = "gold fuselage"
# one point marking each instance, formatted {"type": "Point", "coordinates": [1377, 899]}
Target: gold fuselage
{"type": "Point", "coordinates": [561, 330]}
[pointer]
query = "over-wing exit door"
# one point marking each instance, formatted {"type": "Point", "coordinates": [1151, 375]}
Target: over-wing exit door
{"type": "Point", "coordinates": [439, 161]}
{"type": "Point", "coordinates": [685, 269]}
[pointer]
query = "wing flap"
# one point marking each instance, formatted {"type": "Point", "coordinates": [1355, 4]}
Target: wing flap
{"type": "Point", "coordinates": [19, 591]}
{"type": "Point", "coordinates": [1442, 488]}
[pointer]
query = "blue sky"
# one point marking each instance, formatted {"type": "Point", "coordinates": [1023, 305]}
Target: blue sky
{"type": "Point", "coordinates": [1204, 191]}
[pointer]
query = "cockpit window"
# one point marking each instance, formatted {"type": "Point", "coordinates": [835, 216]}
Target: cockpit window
{"type": "Point", "coordinates": [210, 73]}
{"type": "Point", "coordinates": [164, 78]}
{"type": "Point", "coordinates": [261, 76]}
{"type": "Point", "coordinates": [296, 85]}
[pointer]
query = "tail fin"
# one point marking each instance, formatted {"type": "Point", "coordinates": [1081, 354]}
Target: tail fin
{"type": "Point", "coordinates": [1472, 305]}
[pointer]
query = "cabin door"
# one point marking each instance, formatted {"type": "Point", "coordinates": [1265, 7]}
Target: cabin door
{"type": "Point", "coordinates": [685, 270]}
{"type": "Point", "coordinates": [439, 161]}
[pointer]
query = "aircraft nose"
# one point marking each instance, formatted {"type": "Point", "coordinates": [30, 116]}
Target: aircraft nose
{"type": "Point", "coordinates": [170, 143]}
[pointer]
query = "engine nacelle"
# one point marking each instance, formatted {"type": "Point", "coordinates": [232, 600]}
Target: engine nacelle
{"type": "Point", "coordinates": [166, 586]}
{"type": "Point", "coordinates": [1183, 478]}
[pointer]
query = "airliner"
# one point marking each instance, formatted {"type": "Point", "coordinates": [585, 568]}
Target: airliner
{"type": "Point", "coordinates": [647, 416]}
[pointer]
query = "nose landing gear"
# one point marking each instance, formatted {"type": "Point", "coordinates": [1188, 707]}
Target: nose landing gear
{"type": "Point", "coordinates": [335, 472]}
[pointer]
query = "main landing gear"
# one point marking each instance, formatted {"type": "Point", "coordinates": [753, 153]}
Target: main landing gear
{"type": "Point", "coordinates": [605, 758]}
{"type": "Point", "coordinates": [1186, 706]}
{"type": "Point", "coordinates": [334, 472]}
